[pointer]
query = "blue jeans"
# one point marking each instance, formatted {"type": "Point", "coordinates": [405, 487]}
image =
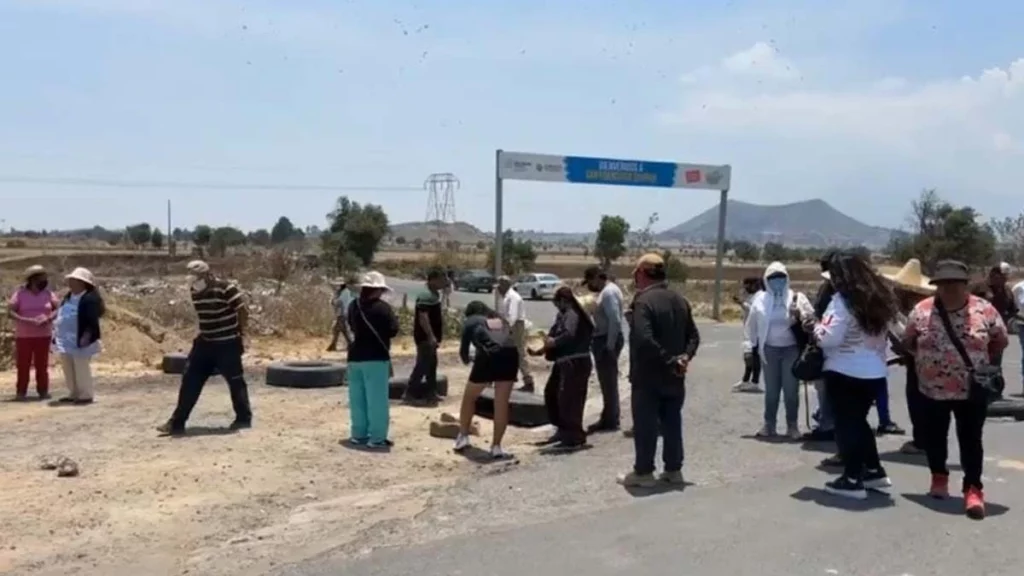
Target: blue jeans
{"type": "Point", "coordinates": [368, 400]}
{"type": "Point", "coordinates": [1021, 337]}
{"type": "Point", "coordinates": [780, 382]}
{"type": "Point", "coordinates": [826, 417]}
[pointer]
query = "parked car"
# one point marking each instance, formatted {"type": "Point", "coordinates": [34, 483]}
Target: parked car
{"type": "Point", "coordinates": [537, 286]}
{"type": "Point", "coordinates": [474, 281]}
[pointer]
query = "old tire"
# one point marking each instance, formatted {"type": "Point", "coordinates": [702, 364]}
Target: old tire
{"type": "Point", "coordinates": [525, 409]}
{"type": "Point", "coordinates": [399, 384]}
{"type": "Point", "coordinates": [175, 363]}
{"type": "Point", "coordinates": [306, 374]}
{"type": "Point", "coordinates": [1007, 408]}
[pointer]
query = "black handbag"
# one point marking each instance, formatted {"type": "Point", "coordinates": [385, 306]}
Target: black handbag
{"type": "Point", "coordinates": [986, 382]}
{"type": "Point", "coordinates": [811, 364]}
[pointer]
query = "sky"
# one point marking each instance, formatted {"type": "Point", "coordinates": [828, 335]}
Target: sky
{"type": "Point", "coordinates": [240, 111]}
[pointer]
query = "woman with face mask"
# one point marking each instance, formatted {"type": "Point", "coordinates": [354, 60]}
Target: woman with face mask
{"type": "Point", "coordinates": [776, 316]}
{"type": "Point", "coordinates": [33, 308]}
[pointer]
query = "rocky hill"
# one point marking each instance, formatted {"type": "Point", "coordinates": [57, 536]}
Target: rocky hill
{"type": "Point", "coordinates": [462, 232]}
{"type": "Point", "coordinates": [807, 223]}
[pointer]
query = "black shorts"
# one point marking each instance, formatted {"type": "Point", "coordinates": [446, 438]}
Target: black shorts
{"type": "Point", "coordinates": [502, 366]}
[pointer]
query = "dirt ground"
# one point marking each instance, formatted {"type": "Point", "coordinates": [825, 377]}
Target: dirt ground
{"type": "Point", "coordinates": [212, 503]}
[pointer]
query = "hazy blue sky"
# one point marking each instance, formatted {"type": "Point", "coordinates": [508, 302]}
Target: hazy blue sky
{"type": "Point", "coordinates": [861, 103]}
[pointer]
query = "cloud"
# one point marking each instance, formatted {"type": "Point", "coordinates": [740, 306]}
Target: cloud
{"type": "Point", "coordinates": [761, 59]}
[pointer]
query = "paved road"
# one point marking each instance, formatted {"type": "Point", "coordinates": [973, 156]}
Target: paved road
{"type": "Point", "coordinates": [541, 313]}
{"type": "Point", "coordinates": [753, 508]}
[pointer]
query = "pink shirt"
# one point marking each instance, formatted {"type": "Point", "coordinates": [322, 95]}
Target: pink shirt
{"type": "Point", "coordinates": [28, 304]}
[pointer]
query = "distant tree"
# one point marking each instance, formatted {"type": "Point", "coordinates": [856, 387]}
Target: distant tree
{"type": "Point", "coordinates": [516, 255]}
{"type": "Point", "coordinates": [225, 237]}
{"type": "Point", "coordinates": [400, 240]}
{"type": "Point", "coordinates": [417, 244]}
{"type": "Point", "coordinates": [938, 231]}
{"type": "Point", "coordinates": [643, 240]}
{"type": "Point", "coordinates": [355, 230]}
{"type": "Point", "coordinates": [156, 239]}
{"type": "Point", "coordinates": [281, 264]}
{"type": "Point", "coordinates": [773, 251]}
{"type": "Point", "coordinates": [610, 244]}
{"type": "Point", "coordinates": [202, 234]}
{"type": "Point", "coordinates": [481, 245]}
{"type": "Point", "coordinates": [746, 251]}
{"type": "Point", "coordinates": [675, 269]}
{"type": "Point", "coordinates": [139, 234]}
{"type": "Point", "coordinates": [259, 237]}
{"type": "Point", "coordinates": [283, 231]}
{"type": "Point", "coordinates": [1009, 234]}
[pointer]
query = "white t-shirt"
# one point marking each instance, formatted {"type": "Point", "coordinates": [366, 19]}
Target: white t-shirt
{"type": "Point", "coordinates": [847, 348]}
{"type": "Point", "coordinates": [512, 309]}
{"type": "Point", "coordinates": [780, 332]}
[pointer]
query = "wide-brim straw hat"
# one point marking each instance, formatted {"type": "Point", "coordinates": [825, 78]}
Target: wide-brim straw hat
{"type": "Point", "coordinates": [910, 278]}
{"type": "Point", "coordinates": [566, 291]}
{"type": "Point", "coordinates": [34, 270]}
{"type": "Point", "coordinates": [373, 280]}
{"type": "Point", "coordinates": [82, 275]}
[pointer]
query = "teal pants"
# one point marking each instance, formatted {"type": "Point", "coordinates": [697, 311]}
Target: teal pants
{"type": "Point", "coordinates": [368, 400]}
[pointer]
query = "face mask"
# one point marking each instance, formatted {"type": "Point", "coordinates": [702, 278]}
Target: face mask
{"type": "Point", "coordinates": [777, 285]}
{"type": "Point", "coordinates": [198, 285]}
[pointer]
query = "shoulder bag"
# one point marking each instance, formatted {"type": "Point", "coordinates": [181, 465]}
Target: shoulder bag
{"type": "Point", "coordinates": [985, 382]}
{"type": "Point", "coordinates": [362, 316]}
{"type": "Point", "coordinates": [811, 364]}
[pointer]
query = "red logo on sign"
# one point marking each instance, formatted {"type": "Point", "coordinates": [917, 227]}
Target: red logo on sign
{"type": "Point", "coordinates": [692, 176]}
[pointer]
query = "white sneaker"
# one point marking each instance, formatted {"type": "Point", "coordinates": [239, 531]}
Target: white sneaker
{"type": "Point", "coordinates": [746, 387]}
{"type": "Point", "coordinates": [461, 442]}
{"type": "Point", "coordinates": [766, 432]}
{"type": "Point", "coordinates": [498, 453]}
{"type": "Point", "coordinates": [793, 433]}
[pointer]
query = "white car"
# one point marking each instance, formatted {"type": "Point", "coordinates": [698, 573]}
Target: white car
{"type": "Point", "coordinates": [537, 286]}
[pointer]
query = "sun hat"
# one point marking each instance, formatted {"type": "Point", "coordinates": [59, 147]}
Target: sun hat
{"type": "Point", "coordinates": [649, 261]}
{"type": "Point", "coordinates": [373, 279]}
{"type": "Point", "coordinates": [1005, 269]}
{"type": "Point", "coordinates": [910, 278]}
{"type": "Point", "coordinates": [950, 271]}
{"type": "Point", "coordinates": [34, 270]}
{"type": "Point", "coordinates": [197, 267]}
{"type": "Point", "coordinates": [82, 275]}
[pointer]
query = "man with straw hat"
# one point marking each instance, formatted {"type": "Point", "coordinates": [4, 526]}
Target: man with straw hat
{"type": "Point", "coordinates": [910, 286]}
{"type": "Point", "coordinates": [218, 348]}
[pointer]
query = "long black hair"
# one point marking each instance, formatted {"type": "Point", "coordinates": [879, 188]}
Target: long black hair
{"type": "Point", "coordinates": [868, 296]}
{"type": "Point", "coordinates": [478, 308]}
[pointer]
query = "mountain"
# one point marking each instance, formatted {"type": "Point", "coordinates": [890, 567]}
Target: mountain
{"type": "Point", "coordinates": [462, 232]}
{"type": "Point", "coordinates": [807, 223]}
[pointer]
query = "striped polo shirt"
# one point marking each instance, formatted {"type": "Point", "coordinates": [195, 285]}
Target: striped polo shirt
{"type": "Point", "coordinates": [217, 308]}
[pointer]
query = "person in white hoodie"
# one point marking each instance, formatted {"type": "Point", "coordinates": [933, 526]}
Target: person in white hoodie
{"type": "Point", "coordinates": [853, 336]}
{"type": "Point", "coordinates": [777, 316]}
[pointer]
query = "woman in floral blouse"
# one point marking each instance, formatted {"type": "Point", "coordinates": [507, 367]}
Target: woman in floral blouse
{"type": "Point", "coordinates": [945, 378]}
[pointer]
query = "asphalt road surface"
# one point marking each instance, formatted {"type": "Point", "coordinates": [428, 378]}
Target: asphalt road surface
{"type": "Point", "coordinates": [753, 507]}
{"type": "Point", "coordinates": [541, 312]}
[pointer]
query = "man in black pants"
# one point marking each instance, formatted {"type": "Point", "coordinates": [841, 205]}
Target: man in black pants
{"type": "Point", "coordinates": [607, 345]}
{"type": "Point", "coordinates": [427, 332]}
{"type": "Point", "coordinates": [217, 349]}
{"type": "Point", "coordinates": [663, 338]}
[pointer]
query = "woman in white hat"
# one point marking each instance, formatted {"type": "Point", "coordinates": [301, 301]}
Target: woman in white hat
{"type": "Point", "coordinates": [77, 335]}
{"type": "Point", "coordinates": [33, 308]}
{"type": "Point", "coordinates": [373, 324]}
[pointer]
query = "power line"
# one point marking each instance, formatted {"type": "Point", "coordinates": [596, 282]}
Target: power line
{"type": "Point", "coordinates": [112, 183]}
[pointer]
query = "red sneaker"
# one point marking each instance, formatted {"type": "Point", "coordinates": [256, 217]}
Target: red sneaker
{"type": "Point", "coordinates": [940, 486]}
{"type": "Point", "coordinates": [974, 503]}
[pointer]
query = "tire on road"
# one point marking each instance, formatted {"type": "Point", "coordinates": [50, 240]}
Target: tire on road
{"type": "Point", "coordinates": [306, 374]}
{"type": "Point", "coordinates": [175, 362]}
{"type": "Point", "coordinates": [1007, 408]}
{"type": "Point", "coordinates": [525, 410]}
{"type": "Point", "coordinates": [399, 384]}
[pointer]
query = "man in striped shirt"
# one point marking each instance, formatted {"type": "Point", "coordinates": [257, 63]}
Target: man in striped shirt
{"type": "Point", "coordinates": [217, 349]}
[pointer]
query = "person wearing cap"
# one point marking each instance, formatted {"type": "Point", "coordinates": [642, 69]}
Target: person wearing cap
{"type": "Point", "coordinates": [663, 340]}
{"type": "Point", "coordinates": [511, 308]}
{"type": "Point", "coordinates": [218, 348]}
{"type": "Point", "coordinates": [374, 325]}
{"type": "Point", "coordinates": [953, 336]}
{"type": "Point", "coordinates": [33, 307]}
{"type": "Point", "coordinates": [607, 344]}
{"type": "Point", "coordinates": [340, 302]}
{"type": "Point", "coordinates": [567, 347]}
{"type": "Point", "coordinates": [77, 335]}
{"type": "Point", "coordinates": [995, 290]}
{"type": "Point", "coordinates": [428, 330]}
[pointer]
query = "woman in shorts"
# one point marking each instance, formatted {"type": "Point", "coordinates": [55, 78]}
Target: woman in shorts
{"type": "Point", "coordinates": [496, 362]}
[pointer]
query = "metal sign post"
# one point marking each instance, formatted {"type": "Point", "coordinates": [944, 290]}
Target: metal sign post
{"type": "Point", "coordinates": [586, 170]}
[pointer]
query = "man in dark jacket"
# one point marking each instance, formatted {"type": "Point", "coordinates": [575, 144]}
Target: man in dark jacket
{"type": "Point", "coordinates": [663, 338]}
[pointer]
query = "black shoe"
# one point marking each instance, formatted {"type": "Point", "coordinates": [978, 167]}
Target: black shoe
{"type": "Point", "coordinates": [169, 429]}
{"type": "Point", "coordinates": [877, 480]}
{"type": "Point", "coordinates": [44, 396]}
{"type": "Point", "coordinates": [240, 425]}
{"type": "Point", "coordinates": [602, 426]}
{"type": "Point", "coordinates": [819, 435]}
{"type": "Point", "coordinates": [553, 439]}
{"type": "Point", "coordinates": [834, 461]}
{"type": "Point", "coordinates": [628, 433]}
{"type": "Point", "coordinates": [528, 388]}
{"type": "Point", "coordinates": [890, 429]}
{"type": "Point", "coordinates": [846, 488]}
{"type": "Point", "coordinates": [21, 398]}
{"type": "Point", "coordinates": [82, 402]}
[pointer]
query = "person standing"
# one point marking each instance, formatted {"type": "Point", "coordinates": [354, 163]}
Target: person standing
{"type": "Point", "coordinates": [853, 337]}
{"type": "Point", "coordinates": [33, 308]}
{"type": "Point", "coordinates": [751, 364]}
{"type": "Point", "coordinates": [373, 325]}
{"type": "Point", "coordinates": [663, 339]}
{"type": "Point", "coordinates": [954, 336]}
{"type": "Point", "coordinates": [428, 330]}
{"type": "Point", "coordinates": [514, 312]}
{"type": "Point", "coordinates": [995, 290]}
{"type": "Point", "coordinates": [218, 348]}
{"type": "Point", "coordinates": [607, 344]}
{"type": "Point", "coordinates": [77, 337]}
{"type": "Point", "coordinates": [340, 302]}
{"type": "Point", "coordinates": [824, 431]}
